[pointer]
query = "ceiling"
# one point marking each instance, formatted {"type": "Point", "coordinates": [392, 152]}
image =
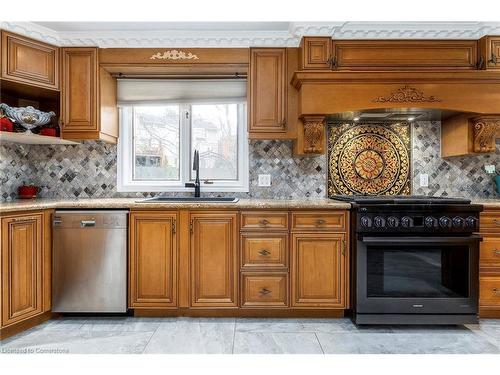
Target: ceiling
{"type": "Point", "coordinates": [237, 34]}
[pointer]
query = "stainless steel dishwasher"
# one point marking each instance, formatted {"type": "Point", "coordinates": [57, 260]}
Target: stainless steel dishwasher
{"type": "Point", "coordinates": [89, 261]}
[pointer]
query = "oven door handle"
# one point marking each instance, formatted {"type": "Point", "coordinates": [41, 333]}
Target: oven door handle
{"type": "Point", "coordinates": [421, 240]}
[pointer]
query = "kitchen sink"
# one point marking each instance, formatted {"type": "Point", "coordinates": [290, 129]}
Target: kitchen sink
{"type": "Point", "coordinates": [189, 199]}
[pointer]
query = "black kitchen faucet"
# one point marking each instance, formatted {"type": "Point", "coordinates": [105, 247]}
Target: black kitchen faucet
{"type": "Point", "coordinates": [196, 167]}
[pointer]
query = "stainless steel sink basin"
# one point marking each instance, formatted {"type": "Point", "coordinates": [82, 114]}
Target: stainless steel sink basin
{"type": "Point", "coordinates": [189, 199]}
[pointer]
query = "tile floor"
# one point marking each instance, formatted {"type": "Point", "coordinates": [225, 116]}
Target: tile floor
{"type": "Point", "coordinates": [243, 336]}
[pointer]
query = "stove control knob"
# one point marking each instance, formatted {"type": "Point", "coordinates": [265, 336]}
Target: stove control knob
{"type": "Point", "coordinates": [393, 221]}
{"type": "Point", "coordinates": [366, 222]}
{"type": "Point", "coordinates": [445, 222]}
{"type": "Point", "coordinates": [470, 222]}
{"type": "Point", "coordinates": [430, 222]}
{"type": "Point", "coordinates": [405, 222]}
{"type": "Point", "coordinates": [379, 221]}
{"type": "Point", "coordinates": [458, 222]}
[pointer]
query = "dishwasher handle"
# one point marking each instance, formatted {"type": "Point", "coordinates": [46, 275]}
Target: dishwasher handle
{"type": "Point", "coordinates": [87, 223]}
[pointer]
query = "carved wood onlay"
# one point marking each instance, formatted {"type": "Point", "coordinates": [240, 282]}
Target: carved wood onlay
{"type": "Point", "coordinates": [174, 55]}
{"type": "Point", "coordinates": [406, 94]}
{"type": "Point", "coordinates": [485, 130]}
{"type": "Point", "coordinates": [314, 130]}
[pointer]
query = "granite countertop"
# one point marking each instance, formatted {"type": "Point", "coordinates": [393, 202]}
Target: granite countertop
{"type": "Point", "coordinates": [38, 204]}
{"type": "Point", "coordinates": [490, 203]}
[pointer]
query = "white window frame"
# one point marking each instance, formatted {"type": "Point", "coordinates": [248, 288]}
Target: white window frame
{"type": "Point", "coordinates": [125, 157]}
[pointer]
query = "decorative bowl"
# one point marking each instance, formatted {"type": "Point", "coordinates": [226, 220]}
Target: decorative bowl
{"type": "Point", "coordinates": [28, 117]}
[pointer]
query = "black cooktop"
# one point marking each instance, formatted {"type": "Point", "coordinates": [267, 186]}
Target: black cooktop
{"type": "Point", "coordinates": [399, 199]}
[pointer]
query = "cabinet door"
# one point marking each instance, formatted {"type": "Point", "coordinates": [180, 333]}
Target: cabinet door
{"type": "Point", "coordinates": [214, 266]}
{"type": "Point", "coordinates": [28, 61]}
{"type": "Point", "coordinates": [267, 90]}
{"type": "Point", "coordinates": [316, 53]}
{"type": "Point", "coordinates": [318, 270]}
{"type": "Point", "coordinates": [153, 260]}
{"type": "Point", "coordinates": [22, 295]}
{"type": "Point", "coordinates": [79, 93]}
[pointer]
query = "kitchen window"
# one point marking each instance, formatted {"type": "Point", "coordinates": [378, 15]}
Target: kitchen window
{"type": "Point", "coordinates": [159, 133]}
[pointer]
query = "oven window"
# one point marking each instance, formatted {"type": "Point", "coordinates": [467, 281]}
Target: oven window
{"type": "Point", "coordinates": [411, 272]}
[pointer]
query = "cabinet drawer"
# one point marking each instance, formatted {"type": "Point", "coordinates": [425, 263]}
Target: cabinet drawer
{"type": "Point", "coordinates": [489, 221]}
{"type": "Point", "coordinates": [261, 220]}
{"type": "Point", "coordinates": [318, 221]}
{"type": "Point", "coordinates": [261, 250]}
{"type": "Point", "coordinates": [489, 291]}
{"type": "Point", "coordinates": [264, 290]}
{"type": "Point", "coordinates": [490, 252]}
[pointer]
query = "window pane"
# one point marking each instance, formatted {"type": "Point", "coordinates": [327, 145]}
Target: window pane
{"type": "Point", "coordinates": [214, 130]}
{"type": "Point", "coordinates": [156, 143]}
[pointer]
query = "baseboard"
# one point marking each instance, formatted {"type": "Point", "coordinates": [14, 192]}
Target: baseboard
{"type": "Point", "coordinates": [489, 314]}
{"type": "Point", "coordinates": [16, 328]}
{"type": "Point", "coordinates": [242, 313]}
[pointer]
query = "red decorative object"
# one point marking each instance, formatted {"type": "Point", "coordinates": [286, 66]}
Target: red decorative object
{"type": "Point", "coordinates": [51, 132]}
{"type": "Point", "coordinates": [6, 125]}
{"type": "Point", "coordinates": [27, 191]}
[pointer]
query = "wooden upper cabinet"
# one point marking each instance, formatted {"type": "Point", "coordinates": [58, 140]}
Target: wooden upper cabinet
{"type": "Point", "coordinates": [318, 270]}
{"type": "Point", "coordinates": [28, 61]}
{"type": "Point", "coordinates": [405, 54]}
{"type": "Point", "coordinates": [88, 100]}
{"type": "Point", "coordinates": [316, 52]}
{"type": "Point", "coordinates": [22, 256]}
{"type": "Point", "coordinates": [268, 89]}
{"type": "Point", "coordinates": [490, 52]}
{"type": "Point", "coordinates": [214, 261]}
{"type": "Point", "coordinates": [153, 260]}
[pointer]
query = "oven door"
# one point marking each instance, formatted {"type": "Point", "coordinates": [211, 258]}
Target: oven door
{"type": "Point", "coordinates": [408, 275]}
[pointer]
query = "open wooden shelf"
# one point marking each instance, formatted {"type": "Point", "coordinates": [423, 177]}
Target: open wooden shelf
{"type": "Point", "coordinates": [33, 139]}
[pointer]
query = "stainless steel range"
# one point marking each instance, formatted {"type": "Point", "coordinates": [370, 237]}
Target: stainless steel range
{"type": "Point", "coordinates": [415, 260]}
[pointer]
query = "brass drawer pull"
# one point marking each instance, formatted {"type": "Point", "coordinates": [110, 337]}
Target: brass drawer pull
{"type": "Point", "coordinates": [496, 291]}
{"type": "Point", "coordinates": [264, 291]}
{"type": "Point", "coordinates": [496, 221]}
{"type": "Point", "coordinates": [496, 252]}
{"type": "Point", "coordinates": [320, 222]}
{"type": "Point", "coordinates": [264, 222]}
{"type": "Point", "coordinates": [264, 252]}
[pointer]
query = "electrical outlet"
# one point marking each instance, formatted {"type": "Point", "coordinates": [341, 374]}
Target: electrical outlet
{"type": "Point", "coordinates": [424, 180]}
{"type": "Point", "coordinates": [490, 169]}
{"type": "Point", "coordinates": [264, 180]}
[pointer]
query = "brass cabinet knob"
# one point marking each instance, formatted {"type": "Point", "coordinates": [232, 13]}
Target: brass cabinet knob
{"type": "Point", "coordinates": [264, 291]}
{"type": "Point", "coordinates": [264, 222]}
{"type": "Point", "coordinates": [320, 222]}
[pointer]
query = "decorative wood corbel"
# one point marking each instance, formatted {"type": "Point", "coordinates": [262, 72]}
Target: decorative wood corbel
{"type": "Point", "coordinates": [314, 134]}
{"type": "Point", "coordinates": [485, 129]}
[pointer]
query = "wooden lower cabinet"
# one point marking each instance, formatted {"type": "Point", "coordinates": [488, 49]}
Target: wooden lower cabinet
{"type": "Point", "coordinates": [214, 260]}
{"type": "Point", "coordinates": [489, 264]}
{"type": "Point", "coordinates": [153, 260]}
{"type": "Point", "coordinates": [25, 267]}
{"type": "Point", "coordinates": [318, 270]}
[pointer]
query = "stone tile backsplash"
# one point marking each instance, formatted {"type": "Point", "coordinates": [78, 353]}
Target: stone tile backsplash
{"type": "Point", "coordinates": [89, 170]}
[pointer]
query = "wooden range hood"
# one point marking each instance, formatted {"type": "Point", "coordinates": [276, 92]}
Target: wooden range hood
{"type": "Point", "coordinates": [472, 95]}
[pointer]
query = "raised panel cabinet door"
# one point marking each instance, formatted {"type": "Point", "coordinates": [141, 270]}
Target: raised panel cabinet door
{"type": "Point", "coordinates": [22, 295]}
{"type": "Point", "coordinates": [79, 90]}
{"type": "Point", "coordinates": [316, 53]}
{"type": "Point", "coordinates": [268, 89]}
{"type": "Point", "coordinates": [153, 260]}
{"type": "Point", "coordinates": [214, 267]}
{"type": "Point", "coordinates": [318, 270]}
{"type": "Point", "coordinates": [29, 61]}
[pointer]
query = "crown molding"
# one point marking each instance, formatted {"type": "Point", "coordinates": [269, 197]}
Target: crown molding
{"type": "Point", "coordinates": [263, 38]}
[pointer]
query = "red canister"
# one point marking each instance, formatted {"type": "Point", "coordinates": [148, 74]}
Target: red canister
{"type": "Point", "coordinates": [27, 191]}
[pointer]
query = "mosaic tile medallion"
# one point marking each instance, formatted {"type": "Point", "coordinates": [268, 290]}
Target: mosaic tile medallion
{"type": "Point", "coordinates": [371, 159]}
